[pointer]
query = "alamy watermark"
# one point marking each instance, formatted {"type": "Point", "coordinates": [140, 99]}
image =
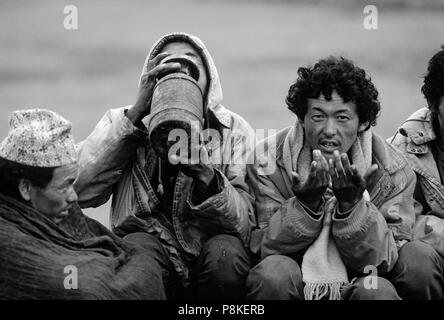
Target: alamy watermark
{"type": "Point", "coordinates": [371, 280]}
{"type": "Point", "coordinates": [228, 146]}
{"type": "Point", "coordinates": [71, 20]}
{"type": "Point", "coordinates": [71, 281]}
{"type": "Point", "coordinates": [370, 17]}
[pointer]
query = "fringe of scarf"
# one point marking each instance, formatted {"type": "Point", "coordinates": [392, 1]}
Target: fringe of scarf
{"type": "Point", "coordinates": [316, 291]}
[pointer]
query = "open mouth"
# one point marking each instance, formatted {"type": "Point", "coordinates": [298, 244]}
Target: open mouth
{"type": "Point", "coordinates": [329, 145]}
{"type": "Point", "coordinates": [64, 213]}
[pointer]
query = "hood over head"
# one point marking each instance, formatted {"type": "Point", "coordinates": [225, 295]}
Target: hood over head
{"type": "Point", "coordinates": [214, 93]}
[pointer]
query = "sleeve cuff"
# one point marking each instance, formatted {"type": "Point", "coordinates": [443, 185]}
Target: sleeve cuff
{"type": "Point", "coordinates": [345, 214]}
{"type": "Point", "coordinates": [354, 222]}
{"type": "Point", "coordinates": [304, 220]}
{"type": "Point", "coordinates": [315, 215]}
{"type": "Point", "coordinates": [138, 129]}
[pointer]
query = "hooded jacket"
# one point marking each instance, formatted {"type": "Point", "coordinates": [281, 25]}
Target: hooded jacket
{"type": "Point", "coordinates": [113, 161]}
{"type": "Point", "coordinates": [415, 138]}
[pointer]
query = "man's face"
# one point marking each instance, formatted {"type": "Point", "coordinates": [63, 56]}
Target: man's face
{"type": "Point", "coordinates": [57, 198]}
{"type": "Point", "coordinates": [185, 48]}
{"type": "Point", "coordinates": [331, 125]}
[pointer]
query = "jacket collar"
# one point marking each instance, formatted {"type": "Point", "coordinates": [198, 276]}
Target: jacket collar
{"type": "Point", "coordinates": [222, 115]}
{"type": "Point", "coordinates": [419, 129]}
{"type": "Point", "coordinates": [280, 138]}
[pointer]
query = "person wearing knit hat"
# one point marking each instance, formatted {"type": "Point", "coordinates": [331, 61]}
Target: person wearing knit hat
{"type": "Point", "coordinates": [38, 159]}
{"type": "Point", "coordinates": [39, 138]}
{"type": "Point", "coordinates": [339, 204]}
{"type": "Point", "coordinates": [48, 248]}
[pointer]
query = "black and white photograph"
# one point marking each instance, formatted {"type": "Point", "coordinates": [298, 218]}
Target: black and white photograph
{"type": "Point", "coordinates": [220, 154]}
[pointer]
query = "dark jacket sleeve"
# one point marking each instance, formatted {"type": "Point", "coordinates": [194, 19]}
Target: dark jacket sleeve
{"type": "Point", "coordinates": [290, 228]}
{"type": "Point", "coordinates": [371, 234]}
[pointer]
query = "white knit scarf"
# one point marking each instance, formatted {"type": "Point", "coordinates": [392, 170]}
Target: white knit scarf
{"type": "Point", "coordinates": [323, 270]}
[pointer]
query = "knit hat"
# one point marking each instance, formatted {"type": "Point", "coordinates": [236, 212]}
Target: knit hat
{"type": "Point", "coordinates": [39, 138]}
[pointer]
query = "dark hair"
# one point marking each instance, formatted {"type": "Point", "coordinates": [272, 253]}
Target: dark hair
{"type": "Point", "coordinates": [340, 74]}
{"type": "Point", "coordinates": [11, 173]}
{"type": "Point", "coordinates": [433, 87]}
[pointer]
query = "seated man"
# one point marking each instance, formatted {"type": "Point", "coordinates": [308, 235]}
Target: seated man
{"type": "Point", "coordinates": [339, 203]}
{"type": "Point", "coordinates": [419, 273]}
{"type": "Point", "coordinates": [196, 217]}
{"type": "Point", "coordinates": [48, 248]}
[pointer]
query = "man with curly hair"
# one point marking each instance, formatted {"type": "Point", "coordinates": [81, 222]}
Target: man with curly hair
{"type": "Point", "coordinates": [339, 205]}
{"type": "Point", "coordinates": [419, 273]}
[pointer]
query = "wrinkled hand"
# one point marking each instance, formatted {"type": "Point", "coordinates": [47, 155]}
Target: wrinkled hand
{"type": "Point", "coordinates": [311, 191]}
{"type": "Point", "coordinates": [347, 183]}
{"type": "Point", "coordinates": [147, 82]}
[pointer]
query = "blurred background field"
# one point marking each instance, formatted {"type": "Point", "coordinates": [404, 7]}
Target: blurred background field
{"type": "Point", "coordinates": [257, 46]}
